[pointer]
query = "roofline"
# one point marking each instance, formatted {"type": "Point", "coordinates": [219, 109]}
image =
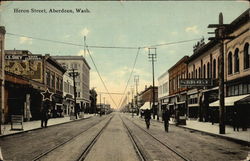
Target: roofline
{"type": "Point", "coordinates": [58, 57]}
{"type": "Point", "coordinates": [183, 59]}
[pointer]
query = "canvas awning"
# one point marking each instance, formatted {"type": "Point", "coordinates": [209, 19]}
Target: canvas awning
{"type": "Point", "coordinates": [229, 101]}
{"type": "Point", "coordinates": [145, 106]}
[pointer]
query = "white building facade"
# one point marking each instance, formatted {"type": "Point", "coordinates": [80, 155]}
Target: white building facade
{"type": "Point", "coordinates": [163, 92]}
{"type": "Point", "coordinates": [80, 65]}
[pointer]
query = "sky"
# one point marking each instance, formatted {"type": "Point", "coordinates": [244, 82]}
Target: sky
{"type": "Point", "coordinates": [136, 24]}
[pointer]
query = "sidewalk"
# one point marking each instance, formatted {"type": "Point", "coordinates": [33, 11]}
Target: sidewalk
{"type": "Point", "coordinates": [208, 128]}
{"type": "Point", "coordinates": [31, 125]}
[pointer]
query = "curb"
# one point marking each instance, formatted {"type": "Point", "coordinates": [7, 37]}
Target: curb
{"type": "Point", "coordinates": [238, 141]}
{"type": "Point", "coordinates": [21, 132]}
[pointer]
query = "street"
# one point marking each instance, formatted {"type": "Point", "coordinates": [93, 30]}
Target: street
{"type": "Point", "coordinates": [109, 138]}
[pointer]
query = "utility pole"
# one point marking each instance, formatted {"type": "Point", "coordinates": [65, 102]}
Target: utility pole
{"type": "Point", "coordinates": [152, 58]}
{"type": "Point", "coordinates": [84, 46]}
{"type": "Point", "coordinates": [104, 104]}
{"type": "Point", "coordinates": [220, 37]}
{"type": "Point", "coordinates": [100, 104]}
{"type": "Point", "coordinates": [2, 83]}
{"type": "Point", "coordinates": [74, 75]}
{"type": "Point", "coordinates": [132, 102]}
{"type": "Point", "coordinates": [136, 80]}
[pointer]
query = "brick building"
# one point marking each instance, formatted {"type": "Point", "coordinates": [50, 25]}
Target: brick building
{"type": "Point", "coordinates": [177, 94]}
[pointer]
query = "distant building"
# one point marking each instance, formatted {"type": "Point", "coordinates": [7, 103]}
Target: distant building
{"type": "Point", "coordinates": [68, 94]}
{"type": "Point", "coordinates": [82, 81]}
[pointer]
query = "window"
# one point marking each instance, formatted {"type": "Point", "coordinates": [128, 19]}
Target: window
{"type": "Point", "coordinates": [204, 71]}
{"type": "Point", "coordinates": [199, 72]}
{"type": "Point", "coordinates": [214, 68]}
{"type": "Point", "coordinates": [53, 80]}
{"type": "Point", "coordinates": [246, 56]}
{"type": "Point", "coordinates": [244, 88]}
{"type": "Point", "coordinates": [196, 76]}
{"type": "Point", "coordinates": [230, 65]}
{"type": "Point", "coordinates": [48, 78]}
{"type": "Point", "coordinates": [236, 60]}
{"type": "Point", "coordinates": [208, 70]}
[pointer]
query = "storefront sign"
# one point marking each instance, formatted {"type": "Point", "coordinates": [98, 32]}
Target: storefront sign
{"type": "Point", "coordinates": [195, 82]}
{"type": "Point", "coordinates": [23, 57]}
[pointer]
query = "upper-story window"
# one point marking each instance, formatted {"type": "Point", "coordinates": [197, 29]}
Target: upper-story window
{"type": "Point", "coordinates": [236, 61]}
{"type": "Point", "coordinates": [204, 71]}
{"type": "Point", "coordinates": [230, 64]}
{"type": "Point", "coordinates": [53, 80]}
{"type": "Point", "coordinates": [199, 72]}
{"type": "Point", "coordinates": [48, 78]}
{"type": "Point", "coordinates": [246, 56]}
{"type": "Point", "coordinates": [208, 70]}
{"type": "Point", "coordinates": [214, 68]}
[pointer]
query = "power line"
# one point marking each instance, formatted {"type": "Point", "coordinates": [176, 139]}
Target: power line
{"type": "Point", "coordinates": [102, 47]}
{"type": "Point", "coordinates": [138, 51]}
{"type": "Point", "coordinates": [100, 76]}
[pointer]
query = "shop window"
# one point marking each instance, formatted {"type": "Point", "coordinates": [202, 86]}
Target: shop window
{"type": "Point", "coordinates": [230, 66]}
{"type": "Point", "coordinates": [236, 90]}
{"type": "Point", "coordinates": [236, 60]}
{"type": "Point", "coordinates": [246, 56]}
{"type": "Point", "coordinates": [240, 89]}
{"type": "Point", "coordinates": [245, 86]}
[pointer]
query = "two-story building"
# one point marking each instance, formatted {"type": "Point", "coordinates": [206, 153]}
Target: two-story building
{"type": "Point", "coordinates": [177, 94]}
{"type": "Point", "coordinates": [42, 73]}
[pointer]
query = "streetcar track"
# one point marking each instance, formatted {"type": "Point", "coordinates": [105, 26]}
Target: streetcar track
{"type": "Point", "coordinates": [63, 143]}
{"type": "Point", "coordinates": [164, 144]}
{"type": "Point", "coordinates": [92, 143]}
{"type": "Point", "coordinates": [135, 145]}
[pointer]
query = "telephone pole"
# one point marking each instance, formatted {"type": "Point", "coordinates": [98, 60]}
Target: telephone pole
{"type": "Point", "coordinates": [136, 80]}
{"type": "Point", "coordinates": [74, 75]}
{"type": "Point", "coordinates": [220, 36]}
{"type": "Point", "coordinates": [152, 58]}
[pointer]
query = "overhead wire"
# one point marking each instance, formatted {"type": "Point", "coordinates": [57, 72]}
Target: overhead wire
{"type": "Point", "coordinates": [132, 71]}
{"type": "Point", "coordinates": [100, 76]}
{"type": "Point", "coordinates": [99, 46]}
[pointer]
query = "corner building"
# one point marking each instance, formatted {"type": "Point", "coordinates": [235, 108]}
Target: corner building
{"type": "Point", "coordinates": [82, 81]}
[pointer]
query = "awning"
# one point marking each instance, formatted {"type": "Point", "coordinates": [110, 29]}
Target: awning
{"type": "Point", "coordinates": [193, 105]}
{"type": "Point", "coordinates": [229, 101]}
{"type": "Point", "coordinates": [146, 106]}
{"type": "Point", "coordinates": [180, 102]}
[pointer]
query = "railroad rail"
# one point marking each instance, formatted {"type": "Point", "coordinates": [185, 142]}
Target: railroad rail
{"type": "Point", "coordinates": [65, 142]}
{"type": "Point", "coordinates": [164, 144]}
{"type": "Point", "coordinates": [139, 152]}
{"type": "Point", "coordinates": [91, 144]}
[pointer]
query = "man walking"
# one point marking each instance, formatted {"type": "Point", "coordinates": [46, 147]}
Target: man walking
{"type": "Point", "coordinates": [147, 116]}
{"type": "Point", "coordinates": [166, 117]}
{"type": "Point", "coordinates": [45, 113]}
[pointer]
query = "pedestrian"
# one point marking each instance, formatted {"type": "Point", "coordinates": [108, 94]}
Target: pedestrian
{"type": "Point", "coordinates": [166, 117]}
{"type": "Point", "coordinates": [45, 113]}
{"type": "Point", "coordinates": [235, 120]}
{"type": "Point", "coordinates": [147, 117]}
